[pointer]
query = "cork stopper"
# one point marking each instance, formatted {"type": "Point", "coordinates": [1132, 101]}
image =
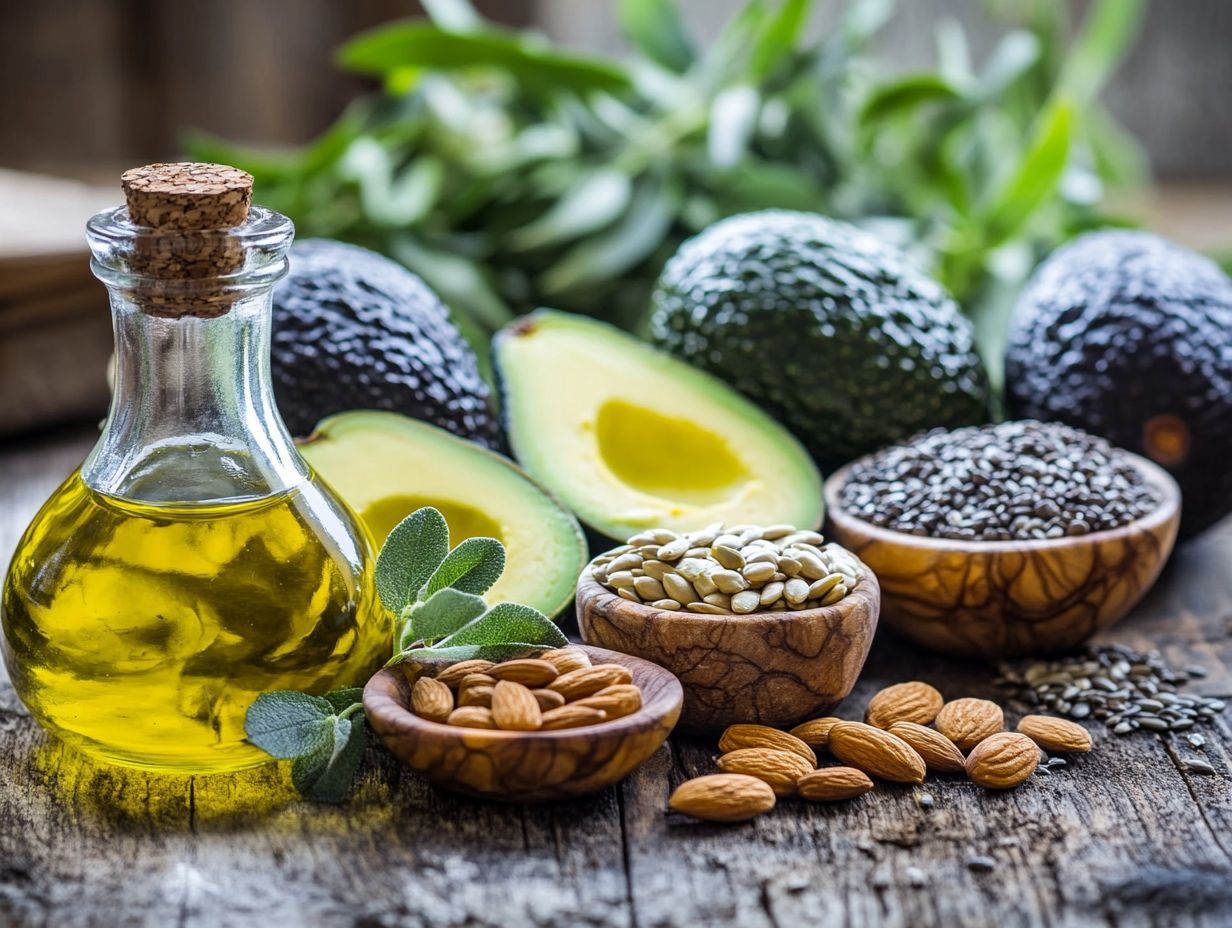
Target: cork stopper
{"type": "Point", "coordinates": [188, 211]}
{"type": "Point", "coordinates": [187, 196]}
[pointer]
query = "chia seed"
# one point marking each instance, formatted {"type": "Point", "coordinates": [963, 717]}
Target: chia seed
{"type": "Point", "coordinates": [1010, 481]}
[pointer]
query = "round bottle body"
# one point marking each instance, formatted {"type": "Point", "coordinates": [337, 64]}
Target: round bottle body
{"type": "Point", "coordinates": [140, 633]}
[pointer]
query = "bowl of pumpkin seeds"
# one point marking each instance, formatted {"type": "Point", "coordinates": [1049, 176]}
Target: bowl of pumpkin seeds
{"type": "Point", "coordinates": [762, 623]}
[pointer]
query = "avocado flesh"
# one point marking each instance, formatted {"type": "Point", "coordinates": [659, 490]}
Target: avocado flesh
{"type": "Point", "coordinates": [385, 466]}
{"type": "Point", "coordinates": [630, 438]}
{"type": "Point", "coordinates": [1129, 336]}
{"type": "Point", "coordinates": [354, 330]}
{"type": "Point", "coordinates": [830, 330]}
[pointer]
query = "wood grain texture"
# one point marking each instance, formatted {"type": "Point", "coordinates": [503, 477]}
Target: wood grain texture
{"type": "Point", "coordinates": [772, 668]}
{"type": "Point", "coordinates": [526, 766]}
{"type": "Point", "coordinates": [1011, 598]}
{"type": "Point", "coordinates": [1124, 837]}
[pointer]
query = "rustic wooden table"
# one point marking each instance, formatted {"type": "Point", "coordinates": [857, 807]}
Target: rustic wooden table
{"type": "Point", "coordinates": [1122, 837]}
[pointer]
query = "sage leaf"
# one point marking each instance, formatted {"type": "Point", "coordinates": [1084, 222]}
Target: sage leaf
{"type": "Point", "coordinates": [442, 614]}
{"type": "Point", "coordinates": [467, 652]}
{"type": "Point", "coordinates": [343, 699]}
{"type": "Point", "coordinates": [286, 724]}
{"type": "Point", "coordinates": [471, 567]}
{"type": "Point", "coordinates": [327, 774]}
{"type": "Point", "coordinates": [411, 554]}
{"type": "Point", "coordinates": [506, 622]}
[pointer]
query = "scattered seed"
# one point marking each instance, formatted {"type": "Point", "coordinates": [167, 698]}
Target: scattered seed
{"type": "Point", "coordinates": [1197, 765]}
{"type": "Point", "coordinates": [981, 863]}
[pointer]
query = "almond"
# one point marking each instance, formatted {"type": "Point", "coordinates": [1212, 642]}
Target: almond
{"type": "Point", "coordinates": [876, 752]}
{"type": "Point", "coordinates": [815, 732]}
{"type": "Point", "coordinates": [471, 717]}
{"type": "Point", "coordinates": [431, 699]}
{"type": "Point", "coordinates": [566, 659]}
{"type": "Point", "coordinates": [723, 797]}
{"type": "Point", "coordinates": [452, 675]}
{"type": "Point", "coordinates": [968, 721]}
{"type": "Point", "coordinates": [571, 717]}
{"type": "Point", "coordinates": [476, 679]}
{"type": "Point", "coordinates": [1003, 760]}
{"type": "Point", "coordinates": [831, 784]}
{"type": "Point", "coordinates": [528, 671]}
{"type": "Point", "coordinates": [586, 681]}
{"type": "Point", "coordinates": [514, 707]}
{"type": "Point", "coordinates": [781, 769]}
{"type": "Point", "coordinates": [762, 736]}
{"type": "Point", "coordinates": [617, 701]}
{"type": "Point", "coordinates": [904, 702]}
{"type": "Point", "coordinates": [939, 752]}
{"type": "Point", "coordinates": [1057, 736]}
{"type": "Point", "coordinates": [548, 699]}
{"type": "Point", "coordinates": [477, 695]}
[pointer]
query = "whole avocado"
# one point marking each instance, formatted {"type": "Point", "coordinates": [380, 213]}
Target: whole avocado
{"type": "Point", "coordinates": [1129, 336]}
{"type": "Point", "coordinates": [832, 331]}
{"type": "Point", "coordinates": [355, 330]}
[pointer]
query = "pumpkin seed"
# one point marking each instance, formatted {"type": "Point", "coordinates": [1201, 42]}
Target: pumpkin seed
{"type": "Point", "coordinates": [719, 599]}
{"type": "Point", "coordinates": [669, 604]}
{"type": "Point", "coordinates": [728, 557]}
{"type": "Point", "coordinates": [673, 550]}
{"type": "Point", "coordinates": [622, 579]}
{"type": "Point", "coordinates": [788, 565]}
{"type": "Point", "coordinates": [625, 593]}
{"type": "Point", "coordinates": [655, 569]}
{"type": "Point", "coordinates": [777, 531]}
{"type": "Point", "coordinates": [745, 602]}
{"type": "Point", "coordinates": [649, 588]}
{"type": "Point", "coordinates": [679, 589]}
{"type": "Point", "coordinates": [795, 591]}
{"type": "Point", "coordinates": [821, 587]}
{"type": "Point", "coordinates": [771, 592]}
{"type": "Point", "coordinates": [707, 609]}
{"type": "Point", "coordinates": [762, 557]}
{"type": "Point", "coordinates": [705, 585]}
{"type": "Point", "coordinates": [837, 593]}
{"type": "Point", "coordinates": [728, 581]}
{"type": "Point", "coordinates": [758, 573]}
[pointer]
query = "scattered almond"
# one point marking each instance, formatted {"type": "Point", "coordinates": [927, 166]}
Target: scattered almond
{"type": "Point", "coordinates": [1003, 760]}
{"type": "Point", "coordinates": [528, 671]}
{"type": "Point", "coordinates": [472, 717]}
{"type": "Point", "coordinates": [548, 699]}
{"type": "Point", "coordinates": [453, 674]}
{"type": "Point", "coordinates": [577, 684]}
{"type": "Point", "coordinates": [939, 752]}
{"type": "Point", "coordinates": [723, 797]}
{"type": "Point", "coordinates": [876, 752]}
{"type": "Point", "coordinates": [762, 736]}
{"type": "Point", "coordinates": [617, 701]}
{"type": "Point", "coordinates": [904, 702]}
{"type": "Point", "coordinates": [1057, 736]}
{"type": "Point", "coordinates": [781, 769]}
{"type": "Point", "coordinates": [571, 716]}
{"type": "Point", "coordinates": [815, 732]}
{"type": "Point", "coordinates": [968, 721]}
{"type": "Point", "coordinates": [566, 659]}
{"type": "Point", "coordinates": [431, 699]}
{"type": "Point", "coordinates": [832, 784]}
{"type": "Point", "coordinates": [514, 707]}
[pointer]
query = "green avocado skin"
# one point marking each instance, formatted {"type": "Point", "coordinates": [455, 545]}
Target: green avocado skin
{"type": "Point", "coordinates": [1119, 328]}
{"type": "Point", "coordinates": [832, 331]}
{"type": "Point", "coordinates": [355, 330]}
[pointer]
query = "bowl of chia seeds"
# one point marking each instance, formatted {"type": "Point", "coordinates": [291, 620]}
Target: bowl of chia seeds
{"type": "Point", "coordinates": [1004, 540]}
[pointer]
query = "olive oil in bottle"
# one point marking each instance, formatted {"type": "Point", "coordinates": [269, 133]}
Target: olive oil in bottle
{"type": "Point", "coordinates": [194, 560]}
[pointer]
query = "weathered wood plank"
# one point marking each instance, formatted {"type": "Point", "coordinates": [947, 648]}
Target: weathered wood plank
{"type": "Point", "coordinates": [1121, 837]}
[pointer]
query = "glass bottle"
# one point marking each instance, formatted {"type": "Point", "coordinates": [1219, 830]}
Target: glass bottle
{"type": "Point", "coordinates": [194, 560]}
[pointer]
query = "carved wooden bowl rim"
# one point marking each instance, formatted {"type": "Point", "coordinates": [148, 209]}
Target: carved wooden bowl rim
{"type": "Point", "coordinates": [1167, 511]}
{"type": "Point", "coordinates": [387, 698]}
{"type": "Point", "coordinates": [867, 590]}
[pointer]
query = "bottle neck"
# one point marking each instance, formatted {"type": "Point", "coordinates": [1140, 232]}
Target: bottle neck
{"type": "Point", "coordinates": [193, 418]}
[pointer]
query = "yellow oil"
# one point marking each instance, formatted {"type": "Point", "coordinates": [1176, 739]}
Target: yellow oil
{"type": "Point", "coordinates": [141, 633]}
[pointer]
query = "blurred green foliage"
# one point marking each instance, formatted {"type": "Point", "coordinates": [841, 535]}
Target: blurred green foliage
{"type": "Point", "coordinates": [510, 173]}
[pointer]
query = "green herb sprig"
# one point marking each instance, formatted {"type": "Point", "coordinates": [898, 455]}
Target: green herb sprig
{"type": "Point", "coordinates": [436, 595]}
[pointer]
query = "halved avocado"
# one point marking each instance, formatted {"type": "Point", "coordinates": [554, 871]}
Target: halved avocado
{"type": "Point", "coordinates": [385, 466]}
{"type": "Point", "coordinates": [631, 438]}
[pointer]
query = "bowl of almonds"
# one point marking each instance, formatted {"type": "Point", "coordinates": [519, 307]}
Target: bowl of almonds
{"type": "Point", "coordinates": [761, 624]}
{"type": "Point", "coordinates": [556, 724]}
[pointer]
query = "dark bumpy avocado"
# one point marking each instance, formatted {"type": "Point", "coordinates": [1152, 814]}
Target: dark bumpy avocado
{"type": "Point", "coordinates": [355, 330]}
{"type": "Point", "coordinates": [832, 331]}
{"type": "Point", "coordinates": [1128, 336]}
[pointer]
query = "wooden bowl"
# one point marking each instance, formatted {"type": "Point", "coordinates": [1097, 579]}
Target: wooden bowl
{"type": "Point", "coordinates": [995, 599]}
{"type": "Point", "coordinates": [526, 766]}
{"type": "Point", "coordinates": [774, 668]}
